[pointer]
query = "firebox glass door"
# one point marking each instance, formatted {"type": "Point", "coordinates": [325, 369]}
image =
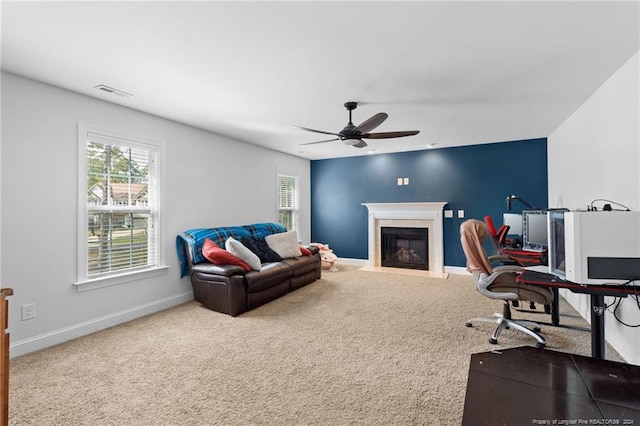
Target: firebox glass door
{"type": "Point", "coordinates": [405, 248]}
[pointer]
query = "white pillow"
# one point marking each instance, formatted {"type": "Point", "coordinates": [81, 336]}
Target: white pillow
{"type": "Point", "coordinates": [285, 244]}
{"type": "Point", "coordinates": [238, 249]}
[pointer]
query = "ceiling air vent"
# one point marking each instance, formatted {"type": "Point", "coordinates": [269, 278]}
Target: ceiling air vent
{"type": "Point", "coordinates": [113, 91]}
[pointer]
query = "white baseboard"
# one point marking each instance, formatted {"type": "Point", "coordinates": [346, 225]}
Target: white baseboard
{"type": "Point", "coordinates": [614, 333]}
{"type": "Point", "coordinates": [350, 261]}
{"type": "Point", "coordinates": [457, 270]}
{"type": "Point", "coordinates": [620, 343]}
{"type": "Point", "coordinates": [55, 337]}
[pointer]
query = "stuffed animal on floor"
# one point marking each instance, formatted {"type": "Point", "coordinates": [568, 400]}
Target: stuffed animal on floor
{"type": "Point", "coordinates": [327, 257]}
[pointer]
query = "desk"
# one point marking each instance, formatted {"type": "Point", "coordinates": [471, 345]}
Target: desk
{"type": "Point", "coordinates": [525, 386]}
{"type": "Point", "coordinates": [525, 257]}
{"type": "Point", "coordinates": [596, 292]}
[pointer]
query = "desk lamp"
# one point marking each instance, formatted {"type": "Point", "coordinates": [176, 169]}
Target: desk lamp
{"type": "Point", "coordinates": [516, 197]}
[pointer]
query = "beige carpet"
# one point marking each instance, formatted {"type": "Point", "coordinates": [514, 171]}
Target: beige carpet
{"type": "Point", "coordinates": [354, 348]}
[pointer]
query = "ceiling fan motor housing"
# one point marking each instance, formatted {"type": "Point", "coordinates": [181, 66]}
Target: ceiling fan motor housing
{"type": "Point", "coordinates": [348, 131]}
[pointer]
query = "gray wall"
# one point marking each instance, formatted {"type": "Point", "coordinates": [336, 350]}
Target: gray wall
{"type": "Point", "coordinates": [211, 180]}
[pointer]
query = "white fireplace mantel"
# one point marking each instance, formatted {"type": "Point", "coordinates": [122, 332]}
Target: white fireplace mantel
{"type": "Point", "coordinates": [424, 214]}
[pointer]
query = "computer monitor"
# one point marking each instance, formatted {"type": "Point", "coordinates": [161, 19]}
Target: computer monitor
{"type": "Point", "coordinates": [514, 222]}
{"type": "Point", "coordinates": [534, 230]}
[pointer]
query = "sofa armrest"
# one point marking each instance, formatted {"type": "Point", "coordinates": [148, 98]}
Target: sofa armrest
{"type": "Point", "coordinates": [210, 268]}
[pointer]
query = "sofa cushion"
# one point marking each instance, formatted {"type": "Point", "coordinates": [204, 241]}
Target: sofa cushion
{"type": "Point", "coordinates": [301, 265]}
{"type": "Point", "coordinates": [219, 256]}
{"type": "Point", "coordinates": [285, 244]}
{"type": "Point", "coordinates": [260, 247]}
{"type": "Point", "coordinates": [239, 250]}
{"type": "Point", "coordinates": [271, 275]}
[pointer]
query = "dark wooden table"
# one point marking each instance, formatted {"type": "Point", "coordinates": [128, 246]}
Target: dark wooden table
{"type": "Point", "coordinates": [530, 386]}
{"type": "Point", "coordinates": [596, 293]}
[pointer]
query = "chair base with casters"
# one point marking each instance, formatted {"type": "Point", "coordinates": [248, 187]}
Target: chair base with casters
{"type": "Point", "coordinates": [505, 321]}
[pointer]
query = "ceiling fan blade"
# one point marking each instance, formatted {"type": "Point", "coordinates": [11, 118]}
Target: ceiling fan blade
{"type": "Point", "coordinates": [316, 131]}
{"type": "Point", "coordinates": [360, 144]}
{"type": "Point", "coordinates": [328, 140]}
{"type": "Point", "coordinates": [387, 135]}
{"type": "Point", "coordinates": [373, 122]}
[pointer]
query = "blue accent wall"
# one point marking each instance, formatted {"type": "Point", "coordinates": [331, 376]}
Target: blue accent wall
{"type": "Point", "coordinates": [476, 179]}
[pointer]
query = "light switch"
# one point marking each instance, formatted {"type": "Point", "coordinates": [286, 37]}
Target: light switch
{"type": "Point", "coordinates": [406, 181]}
{"type": "Point", "coordinates": [448, 213]}
{"type": "Point", "coordinates": [460, 214]}
{"type": "Point", "coordinates": [400, 181]}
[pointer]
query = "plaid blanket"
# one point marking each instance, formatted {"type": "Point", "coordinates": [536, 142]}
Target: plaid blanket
{"type": "Point", "coordinates": [194, 238]}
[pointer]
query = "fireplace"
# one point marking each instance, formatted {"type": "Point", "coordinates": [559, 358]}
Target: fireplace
{"type": "Point", "coordinates": [404, 247]}
{"type": "Point", "coordinates": [421, 215]}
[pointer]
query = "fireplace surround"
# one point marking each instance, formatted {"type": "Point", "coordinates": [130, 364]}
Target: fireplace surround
{"type": "Point", "coordinates": [407, 215]}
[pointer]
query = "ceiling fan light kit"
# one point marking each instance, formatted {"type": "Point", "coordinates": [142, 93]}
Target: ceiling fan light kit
{"type": "Point", "coordinates": [352, 142]}
{"type": "Point", "coordinates": [354, 135]}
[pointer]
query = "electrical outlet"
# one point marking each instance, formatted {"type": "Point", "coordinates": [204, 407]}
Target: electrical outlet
{"type": "Point", "coordinates": [28, 311]}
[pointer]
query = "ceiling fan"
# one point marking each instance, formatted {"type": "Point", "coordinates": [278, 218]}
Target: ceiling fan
{"type": "Point", "coordinates": [354, 135]}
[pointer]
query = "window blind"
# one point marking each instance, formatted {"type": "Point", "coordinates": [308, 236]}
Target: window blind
{"type": "Point", "coordinates": [121, 205]}
{"type": "Point", "coordinates": [287, 194]}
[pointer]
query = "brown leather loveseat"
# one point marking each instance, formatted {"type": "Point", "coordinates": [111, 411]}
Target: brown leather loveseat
{"type": "Point", "coordinates": [229, 288]}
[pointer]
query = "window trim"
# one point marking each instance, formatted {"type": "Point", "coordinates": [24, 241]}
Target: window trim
{"type": "Point", "coordinates": [285, 171]}
{"type": "Point", "coordinates": [83, 282]}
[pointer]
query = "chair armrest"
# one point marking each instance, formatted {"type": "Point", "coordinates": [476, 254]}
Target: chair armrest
{"type": "Point", "coordinates": [509, 269]}
{"type": "Point", "coordinates": [500, 258]}
{"type": "Point", "coordinates": [484, 281]}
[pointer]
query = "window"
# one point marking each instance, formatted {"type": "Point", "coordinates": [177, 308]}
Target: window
{"type": "Point", "coordinates": [119, 214]}
{"type": "Point", "coordinates": [287, 187]}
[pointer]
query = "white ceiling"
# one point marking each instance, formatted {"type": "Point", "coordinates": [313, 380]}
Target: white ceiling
{"type": "Point", "coordinates": [460, 72]}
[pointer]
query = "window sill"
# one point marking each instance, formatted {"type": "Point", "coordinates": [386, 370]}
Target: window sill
{"type": "Point", "coordinates": [119, 279]}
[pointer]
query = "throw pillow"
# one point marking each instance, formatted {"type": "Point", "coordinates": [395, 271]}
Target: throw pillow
{"type": "Point", "coordinates": [219, 256]}
{"type": "Point", "coordinates": [237, 249]}
{"type": "Point", "coordinates": [261, 249]}
{"type": "Point", "coordinates": [285, 244]}
{"type": "Point", "coordinates": [305, 251]}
